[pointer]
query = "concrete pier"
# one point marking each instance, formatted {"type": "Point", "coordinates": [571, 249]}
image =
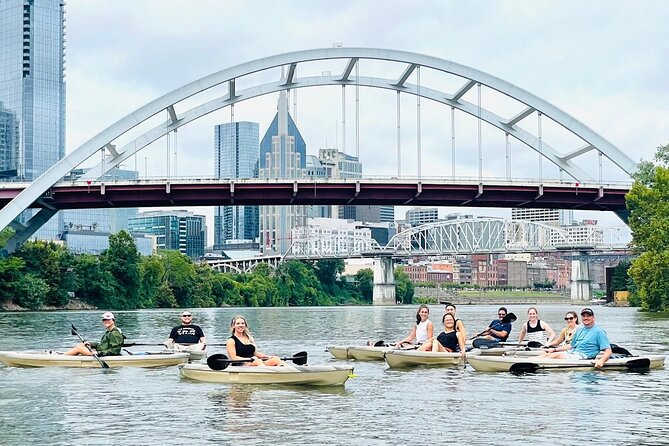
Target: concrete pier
{"type": "Point", "coordinates": [384, 282]}
{"type": "Point", "coordinates": [580, 281]}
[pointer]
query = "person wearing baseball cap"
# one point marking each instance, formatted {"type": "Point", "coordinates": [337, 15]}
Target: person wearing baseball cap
{"type": "Point", "coordinates": [586, 343]}
{"type": "Point", "coordinates": [187, 336]}
{"type": "Point", "coordinates": [109, 345]}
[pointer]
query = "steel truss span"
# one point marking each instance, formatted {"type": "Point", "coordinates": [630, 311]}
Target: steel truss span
{"type": "Point", "coordinates": [489, 235]}
{"type": "Point", "coordinates": [114, 151]}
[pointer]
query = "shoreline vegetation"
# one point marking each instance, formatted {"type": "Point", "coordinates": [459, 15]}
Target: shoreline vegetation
{"type": "Point", "coordinates": [45, 276]}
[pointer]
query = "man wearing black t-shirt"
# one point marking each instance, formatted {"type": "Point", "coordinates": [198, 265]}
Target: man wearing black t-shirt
{"type": "Point", "coordinates": [187, 333]}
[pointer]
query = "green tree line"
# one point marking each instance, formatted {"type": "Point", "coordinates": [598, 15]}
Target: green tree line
{"type": "Point", "coordinates": [43, 274]}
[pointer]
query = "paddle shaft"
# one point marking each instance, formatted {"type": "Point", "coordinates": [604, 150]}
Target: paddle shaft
{"type": "Point", "coordinates": [103, 364]}
{"type": "Point", "coordinates": [530, 367]}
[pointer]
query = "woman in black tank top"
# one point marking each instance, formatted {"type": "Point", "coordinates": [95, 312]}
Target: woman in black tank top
{"type": "Point", "coordinates": [449, 340]}
{"type": "Point", "coordinates": [242, 346]}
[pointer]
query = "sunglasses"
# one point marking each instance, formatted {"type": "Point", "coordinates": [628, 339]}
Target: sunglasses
{"type": "Point", "coordinates": [501, 314]}
{"type": "Point", "coordinates": [569, 318]}
{"type": "Point", "coordinates": [587, 315]}
{"type": "Point", "coordinates": [186, 315]}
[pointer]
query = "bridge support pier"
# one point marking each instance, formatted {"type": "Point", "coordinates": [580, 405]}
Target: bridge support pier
{"type": "Point", "coordinates": [580, 281]}
{"type": "Point", "coordinates": [384, 282]}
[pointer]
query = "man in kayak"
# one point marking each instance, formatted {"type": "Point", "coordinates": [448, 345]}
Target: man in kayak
{"type": "Point", "coordinates": [586, 343]}
{"type": "Point", "coordinates": [187, 334]}
{"type": "Point", "coordinates": [109, 345]}
{"type": "Point", "coordinates": [498, 331]}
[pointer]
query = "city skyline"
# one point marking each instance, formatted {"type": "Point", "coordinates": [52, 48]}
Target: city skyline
{"type": "Point", "coordinates": [114, 76]}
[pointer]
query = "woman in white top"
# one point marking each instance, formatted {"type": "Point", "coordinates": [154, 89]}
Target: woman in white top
{"type": "Point", "coordinates": [422, 331]}
{"type": "Point", "coordinates": [535, 329]}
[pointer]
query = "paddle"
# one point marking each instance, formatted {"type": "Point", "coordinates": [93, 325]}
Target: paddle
{"type": "Point", "coordinates": [221, 362]}
{"type": "Point", "coordinates": [638, 365]}
{"type": "Point", "coordinates": [510, 317]}
{"type": "Point", "coordinates": [149, 344]}
{"type": "Point", "coordinates": [74, 332]}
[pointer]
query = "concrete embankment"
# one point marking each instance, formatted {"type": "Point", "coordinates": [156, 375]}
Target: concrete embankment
{"type": "Point", "coordinates": [491, 298]}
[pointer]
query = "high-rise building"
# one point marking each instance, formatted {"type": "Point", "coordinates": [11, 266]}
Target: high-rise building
{"type": "Point", "coordinates": [32, 88]}
{"type": "Point", "coordinates": [316, 169]}
{"type": "Point", "coordinates": [421, 216]}
{"type": "Point", "coordinates": [236, 154]}
{"type": "Point", "coordinates": [9, 143]}
{"type": "Point", "coordinates": [341, 165]}
{"type": "Point", "coordinates": [283, 154]}
{"type": "Point", "coordinates": [174, 230]}
{"type": "Point", "coordinates": [547, 216]}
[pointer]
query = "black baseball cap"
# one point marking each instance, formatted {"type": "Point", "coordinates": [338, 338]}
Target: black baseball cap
{"type": "Point", "coordinates": [587, 311]}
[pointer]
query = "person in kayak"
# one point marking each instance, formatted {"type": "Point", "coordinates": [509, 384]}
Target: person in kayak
{"type": "Point", "coordinates": [186, 336]}
{"type": "Point", "coordinates": [422, 331]}
{"type": "Point", "coordinates": [586, 343]}
{"type": "Point", "coordinates": [459, 326]}
{"type": "Point", "coordinates": [241, 345]}
{"type": "Point", "coordinates": [450, 340]}
{"type": "Point", "coordinates": [567, 332]}
{"type": "Point", "coordinates": [109, 345]}
{"type": "Point", "coordinates": [535, 329]}
{"type": "Point", "coordinates": [498, 331]}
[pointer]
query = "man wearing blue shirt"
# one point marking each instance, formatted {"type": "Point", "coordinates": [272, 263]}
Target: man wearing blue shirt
{"type": "Point", "coordinates": [587, 342]}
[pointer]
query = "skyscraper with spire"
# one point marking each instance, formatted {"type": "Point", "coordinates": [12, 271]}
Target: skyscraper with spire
{"type": "Point", "coordinates": [283, 154]}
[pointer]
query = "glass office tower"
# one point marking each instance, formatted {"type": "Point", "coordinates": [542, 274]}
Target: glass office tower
{"type": "Point", "coordinates": [32, 87]}
{"type": "Point", "coordinates": [236, 152]}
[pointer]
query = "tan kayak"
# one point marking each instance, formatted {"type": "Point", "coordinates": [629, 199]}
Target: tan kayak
{"type": "Point", "coordinates": [529, 364]}
{"type": "Point", "coordinates": [409, 358]}
{"type": "Point", "coordinates": [194, 350]}
{"type": "Point", "coordinates": [35, 359]}
{"type": "Point", "coordinates": [310, 375]}
{"type": "Point", "coordinates": [339, 351]}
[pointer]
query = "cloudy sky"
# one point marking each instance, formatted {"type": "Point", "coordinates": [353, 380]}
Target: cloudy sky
{"type": "Point", "coordinates": [604, 62]}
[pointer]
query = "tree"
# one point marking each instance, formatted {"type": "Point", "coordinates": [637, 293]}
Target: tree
{"type": "Point", "coordinates": [620, 279]}
{"type": "Point", "coordinates": [121, 260]}
{"type": "Point", "coordinates": [31, 292]}
{"type": "Point", "coordinates": [53, 264]}
{"type": "Point", "coordinates": [301, 284]}
{"type": "Point", "coordinates": [11, 270]}
{"type": "Point", "coordinates": [403, 286]}
{"type": "Point", "coordinates": [94, 284]}
{"type": "Point", "coordinates": [180, 275]}
{"type": "Point", "coordinates": [648, 203]}
{"type": "Point", "coordinates": [328, 271]}
{"type": "Point", "coordinates": [365, 278]}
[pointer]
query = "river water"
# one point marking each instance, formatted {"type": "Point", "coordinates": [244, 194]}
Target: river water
{"type": "Point", "coordinates": [380, 406]}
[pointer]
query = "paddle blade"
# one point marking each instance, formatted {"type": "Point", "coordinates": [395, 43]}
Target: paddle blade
{"type": "Point", "coordinates": [534, 344]}
{"type": "Point", "coordinates": [640, 365]}
{"type": "Point", "coordinates": [619, 350]}
{"type": "Point", "coordinates": [523, 367]}
{"type": "Point", "coordinates": [299, 358]}
{"type": "Point", "coordinates": [218, 361]}
{"type": "Point", "coordinates": [380, 344]}
{"type": "Point", "coordinates": [510, 317]}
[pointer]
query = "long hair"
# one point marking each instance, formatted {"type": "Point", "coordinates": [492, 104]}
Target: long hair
{"type": "Point", "coordinates": [246, 332]}
{"type": "Point", "coordinates": [418, 312]}
{"type": "Point", "coordinates": [573, 313]}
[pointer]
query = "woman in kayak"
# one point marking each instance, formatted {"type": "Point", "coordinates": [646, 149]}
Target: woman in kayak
{"type": "Point", "coordinates": [459, 326]}
{"type": "Point", "coordinates": [241, 345]}
{"type": "Point", "coordinates": [109, 345]}
{"type": "Point", "coordinates": [450, 340]}
{"type": "Point", "coordinates": [422, 331]}
{"type": "Point", "coordinates": [567, 332]}
{"type": "Point", "coordinates": [535, 329]}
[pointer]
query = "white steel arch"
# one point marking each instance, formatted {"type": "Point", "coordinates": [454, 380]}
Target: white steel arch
{"type": "Point", "coordinates": [105, 139]}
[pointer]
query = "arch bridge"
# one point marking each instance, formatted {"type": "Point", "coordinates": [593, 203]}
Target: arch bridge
{"type": "Point", "coordinates": [131, 134]}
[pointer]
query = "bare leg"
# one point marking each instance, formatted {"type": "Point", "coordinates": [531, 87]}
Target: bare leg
{"type": "Point", "coordinates": [79, 349]}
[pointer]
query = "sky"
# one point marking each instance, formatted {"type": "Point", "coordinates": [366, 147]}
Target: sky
{"type": "Point", "coordinates": [603, 62]}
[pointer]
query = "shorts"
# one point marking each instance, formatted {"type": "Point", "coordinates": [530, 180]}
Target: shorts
{"type": "Point", "coordinates": [575, 356]}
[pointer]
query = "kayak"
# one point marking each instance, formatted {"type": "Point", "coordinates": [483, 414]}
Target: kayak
{"type": "Point", "coordinates": [194, 350]}
{"type": "Point", "coordinates": [409, 358]}
{"type": "Point", "coordinates": [338, 351]}
{"type": "Point", "coordinates": [41, 359]}
{"type": "Point", "coordinates": [311, 375]}
{"type": "Point", "coordinates": [368, 353]}
{"type": "Point", "coordinates": [522, 364]}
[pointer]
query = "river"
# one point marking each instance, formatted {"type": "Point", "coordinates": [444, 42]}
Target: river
{"type": "Point", "coordinates": [56, 406]}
